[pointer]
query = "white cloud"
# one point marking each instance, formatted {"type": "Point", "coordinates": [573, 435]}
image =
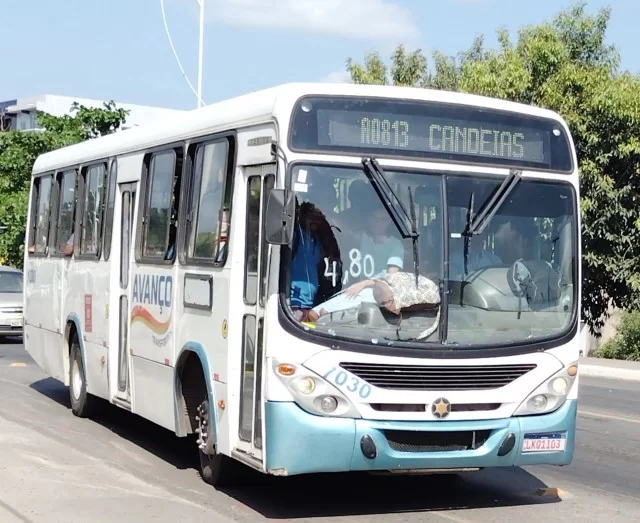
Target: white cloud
{"type": "Point", "coordinates": [340, 77]}
{"type": "Point", "coordinates": [357, 19]}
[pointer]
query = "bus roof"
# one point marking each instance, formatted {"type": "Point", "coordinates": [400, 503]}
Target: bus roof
{"type": "Point", "coordinates": [252, 108]}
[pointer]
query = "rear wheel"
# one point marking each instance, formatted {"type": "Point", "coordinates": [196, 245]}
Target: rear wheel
{"type": "Point", "coordinates": [82, 403]}
{"type": "Point", "coordinates": [216, 469]}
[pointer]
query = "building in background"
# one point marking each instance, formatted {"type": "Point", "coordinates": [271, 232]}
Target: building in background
{"type": "Point", "coordinates": [21, 114]}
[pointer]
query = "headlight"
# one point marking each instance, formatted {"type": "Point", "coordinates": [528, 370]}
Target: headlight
{"type": "Point", "coordinates": [314, 394]}
{"type": "Point", "coordinates": [551, 395]}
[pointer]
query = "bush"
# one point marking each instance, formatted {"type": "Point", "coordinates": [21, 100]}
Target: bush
{"type": "Point", "coordinates": [625, 345]}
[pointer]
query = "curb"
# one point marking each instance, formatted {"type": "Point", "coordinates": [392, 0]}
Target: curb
{"type": "Point", "coordinates": [616, 373]}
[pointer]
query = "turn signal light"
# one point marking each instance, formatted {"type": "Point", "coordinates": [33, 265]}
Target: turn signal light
{"type": "Point", "coordinates": [573, 370]}
{"type": "Point", "coordinates": [286, 369]}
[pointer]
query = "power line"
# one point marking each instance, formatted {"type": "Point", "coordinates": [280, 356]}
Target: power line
{"type": "Point", "coordinates": [175, 54]}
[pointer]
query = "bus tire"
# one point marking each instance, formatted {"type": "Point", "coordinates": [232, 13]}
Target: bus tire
{"type": "Point", "coordinates": [82, 403]}
{"type": "Point", "coordinates": [216, 469]}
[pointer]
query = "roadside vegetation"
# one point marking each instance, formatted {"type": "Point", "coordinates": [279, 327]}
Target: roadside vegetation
{"type": "Point", "coordinates": [567, 66]}
{"type": "Point", "coordinates": [18, 152]}
{"type": "Point", "coordinates": [564, 65]}
{"type": "Point", "coordinates": [625, 345]}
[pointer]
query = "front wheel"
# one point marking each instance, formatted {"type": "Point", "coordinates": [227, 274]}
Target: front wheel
{"type": "Point", "coordinates": [82, 403]}
{"type": "Point", "coordinates": [216, 469]}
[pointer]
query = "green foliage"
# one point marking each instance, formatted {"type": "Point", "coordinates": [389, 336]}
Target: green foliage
{"type": "Point", "coordinates": [373, 72]}
{"type": "Point", "coordinates": [625, 345]}
{"type": "Point", "coordinates": [206, 245]}
{"type": "Point", "coordinates": [18, 152]}
{"type": "Point", "coordinates": [563, 65]}
{"type": "Point", "coordinates": [87, 123]}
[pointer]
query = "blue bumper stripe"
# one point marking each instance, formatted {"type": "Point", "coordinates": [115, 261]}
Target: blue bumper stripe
{"type": "Point", "coordinates": [303, 443]}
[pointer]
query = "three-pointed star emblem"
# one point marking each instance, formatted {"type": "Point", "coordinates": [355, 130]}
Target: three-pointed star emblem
{"type": "Point", "coordinates": [441, 408]}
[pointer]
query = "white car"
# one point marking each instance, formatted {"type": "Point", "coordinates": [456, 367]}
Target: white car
{"type": "Point", "coordinates": [11, 287]}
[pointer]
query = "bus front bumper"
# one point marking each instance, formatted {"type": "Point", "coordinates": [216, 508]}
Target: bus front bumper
{"type": "Point", "coordinates": [301, 443]}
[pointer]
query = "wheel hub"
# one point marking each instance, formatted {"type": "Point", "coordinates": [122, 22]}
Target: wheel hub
{"type": "Point", "coordinates": [205, 441]}
{"type": "Point", "coordinates": [76, 380]}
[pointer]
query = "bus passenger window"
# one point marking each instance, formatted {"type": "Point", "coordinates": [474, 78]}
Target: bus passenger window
{"type": "Point", "coordinates": [211, 203]}
{"type": "Point", "coordinates": [66, 213]}
{"type": "Point", "coordinates": [39, 234]}
{"type": "Point", "coordinates": [111, 199]}
{"type": "Point", "coordinates": [161, 216]}
{"type": "Point", "coordinates": [252, 246]}
{"type": "Point", "coordinates": [92, 215]}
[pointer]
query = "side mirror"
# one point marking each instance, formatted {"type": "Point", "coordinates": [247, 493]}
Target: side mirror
{"type": "Point", "coordinates": [281, 208]}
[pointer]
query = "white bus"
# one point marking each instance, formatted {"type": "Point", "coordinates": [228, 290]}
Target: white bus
{"type": "Point", "coordinates": [320, 278]}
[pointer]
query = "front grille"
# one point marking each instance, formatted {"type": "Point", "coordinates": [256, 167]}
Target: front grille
{"type": "Point", "coordinates": [421, 407]}
{"type": "Point", "coordinates": [415, 441]}
{"type": "Point", "coordinates": [422, 377]}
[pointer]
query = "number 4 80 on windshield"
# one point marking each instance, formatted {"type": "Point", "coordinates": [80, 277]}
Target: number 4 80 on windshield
{"type": "Point", "coordinates": [359, 266]}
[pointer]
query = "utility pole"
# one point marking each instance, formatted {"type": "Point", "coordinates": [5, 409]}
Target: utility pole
{"type": "Point", "coordinates": [198, 93]}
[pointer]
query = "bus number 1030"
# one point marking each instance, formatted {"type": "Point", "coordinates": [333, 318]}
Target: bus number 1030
{"type": "Point", "coordinates": [376, 131]}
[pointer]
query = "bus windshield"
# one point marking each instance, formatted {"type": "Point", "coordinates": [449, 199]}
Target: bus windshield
{"type": "Point", "coordinates": [351, 273]}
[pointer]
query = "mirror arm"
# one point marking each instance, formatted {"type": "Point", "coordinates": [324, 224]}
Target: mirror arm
{"type": "Point", "coordinates": [278, 153]}
{"type": "Point", "coordinates": [287, 210]}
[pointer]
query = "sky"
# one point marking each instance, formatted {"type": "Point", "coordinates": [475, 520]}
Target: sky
{"type": "Point", "coordinates": [119, 50]}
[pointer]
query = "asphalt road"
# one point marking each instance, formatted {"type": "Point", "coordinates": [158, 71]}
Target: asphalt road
{"type": "Point", "coordinates": [58, 468]}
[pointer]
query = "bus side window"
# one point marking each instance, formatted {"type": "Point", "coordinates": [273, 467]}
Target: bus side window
{"type": "Point", "coordinates": [41, 215]}
{"type": "Point", "coordinates": [65, 229]}
{"type": "Point", "coordinates": [109, 209]}
{"type": "Point", "coordinates": [160, 218]}
{"type": "Point", "coordinates": [91, 232]}
{"type": "Point", "coordinates": [210, 202]}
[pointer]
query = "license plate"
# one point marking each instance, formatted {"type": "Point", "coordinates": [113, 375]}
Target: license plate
{"type": "Point", "coordinates": [16, 323]}
{"type": "Point", "coordinates": [544, 443]}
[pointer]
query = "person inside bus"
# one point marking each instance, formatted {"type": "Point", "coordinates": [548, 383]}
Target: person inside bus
{"type": "Point", "coordinates": [67, 248]}
{"type": "Point", "coordinates": [480, 257]}
{"type": "Point", "coordinates": [385, 252]}
{"type": "Point", "coordinates": [306, 255]}
{"type": "Point", "coordinates": [323, 194]}
{"type": "Point", "coordinates": [517, 239]}
{"type": "Point", "coordinates": [313, 243]}
{"type": "Point", "coordinates": [380, 241]}
{"type": "Point", "coordinates": [359, 192]}
{"type": "Point", "coordinates": [529, 276]}
{"type": "Point", "coordinates": [225, 215]}
{"type": "Point", "coordinates": [355, 294]}
{"type": "Point", "coordinates": [173, 232]}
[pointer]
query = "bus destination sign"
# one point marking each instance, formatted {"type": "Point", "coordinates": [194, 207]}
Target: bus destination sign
{"type": "Point", "coordinates": [430, 130]}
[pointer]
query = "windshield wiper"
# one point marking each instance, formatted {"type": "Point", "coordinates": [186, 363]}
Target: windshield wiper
{"type": "Point", "coordinates": [478, 222]}
{"type": "Point", "coordinates": [406, 225]}
{"type": "Point", "coordinates": [468, 232]}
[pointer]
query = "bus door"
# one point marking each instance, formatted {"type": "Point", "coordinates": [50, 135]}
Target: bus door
{"type": "Point", "coordinates": [259, 181]}
{"type": "Point", "coordinates": [127, 195]}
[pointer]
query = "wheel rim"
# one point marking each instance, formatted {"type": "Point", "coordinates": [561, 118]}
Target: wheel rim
{"type": "Point", "coordinates": [205, 442]}
{"type": "Point", "coordinates": [76, 379]}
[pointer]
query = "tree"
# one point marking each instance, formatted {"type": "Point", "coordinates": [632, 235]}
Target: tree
{"type": "Point", "coordinates": [18, 152]}
{"type": "Point", "coordinates": [563, 65]}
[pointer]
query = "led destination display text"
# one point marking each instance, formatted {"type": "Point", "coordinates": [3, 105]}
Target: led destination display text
{"type": "Point", "coordinates": [450, 136]}
{"type": "Point", "coordinates": [430, 130]}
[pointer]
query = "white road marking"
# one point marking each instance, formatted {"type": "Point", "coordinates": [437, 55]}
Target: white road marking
{"type": "Point", "coordinates": [13, 382]}
{"type": "Point", "coordinates": [451, 517]}
{"type": "Point", "coordinates": [612, 373]}
{"type": "Point", "coordinates": [607, 416]}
